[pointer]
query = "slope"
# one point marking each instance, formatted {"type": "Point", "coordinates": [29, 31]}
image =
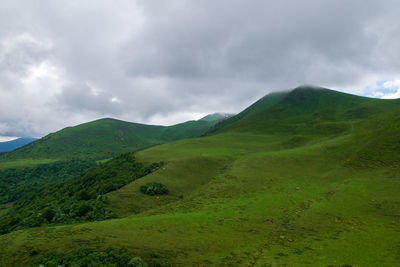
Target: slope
{"type": "Point", "coordinates": [243, 197]}
{"type": "Point", "coordinates": [259, 106]}
{"type": "Point", "coordinates": [106, 138]}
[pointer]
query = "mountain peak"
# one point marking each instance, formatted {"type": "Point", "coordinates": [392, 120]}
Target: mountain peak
{"type": "Point", "coordinates": [304, 94]}
{"type": "Point", "coordinates": [308, 87]}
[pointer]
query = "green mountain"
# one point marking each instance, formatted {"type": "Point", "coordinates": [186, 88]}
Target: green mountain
{"type": "Point", "coordinates": [309, 110]}
{"type": "Point", "coordinates": [308, 177]}
{"type": "Point", "coordinates": [106, 138]}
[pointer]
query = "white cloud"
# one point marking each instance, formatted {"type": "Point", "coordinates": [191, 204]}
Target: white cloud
{"type": "Point", "coordinates": [383, 88]}
{"type": "Point", "coordinates": [7, 138]}
{"type": "Point", "coordinates": [392, 95]}
{"type": "Point", "coordinates": [392, 84]}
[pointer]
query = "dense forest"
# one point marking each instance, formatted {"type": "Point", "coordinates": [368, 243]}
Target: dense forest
{"type": "Point", "coordinates": [18, 182]}
{"type": "Point", "coordinates": [65, 192]}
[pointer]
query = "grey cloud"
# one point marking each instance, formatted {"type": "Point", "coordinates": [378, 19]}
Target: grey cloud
{"type": "Point", "coordinates": [20, 51]}
{"type": "Point", "coordinates": [253, 40]}
{"type": "Point", "coordinates": [167, 61]}
{"type": "Point", "coordinates": [80, 97]}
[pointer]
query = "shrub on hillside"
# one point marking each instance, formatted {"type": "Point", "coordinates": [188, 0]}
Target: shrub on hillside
{"type": "Point", "coordinates": [48, 214]}
{"type": "Point", "coordinates": [153, 189]}
{"type": "Point", "coordinates": [83, 195]}
{"type": "Point", "coordinates": [83, 208]}
{"type": "Point", "coordinates": [137, 262]}
{"type": "Point", "coordinates": [89, 256]}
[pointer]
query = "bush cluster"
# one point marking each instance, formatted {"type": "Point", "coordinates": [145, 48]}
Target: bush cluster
{"type": "Point", "coordinates": [88, 256]}
{"type": "Point", "coordinates": [153, 189]}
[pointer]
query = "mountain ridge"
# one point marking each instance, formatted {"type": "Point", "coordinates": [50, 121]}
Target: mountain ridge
{"type": "Point", "coordinates": [107, 137]}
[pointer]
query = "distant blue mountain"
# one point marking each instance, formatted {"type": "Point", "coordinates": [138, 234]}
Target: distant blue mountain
{"type": "Point", "coordinates": [14, 144]}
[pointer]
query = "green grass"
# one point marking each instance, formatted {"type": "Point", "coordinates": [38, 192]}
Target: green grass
{"type": "Point", "coordinates": [258, 194]}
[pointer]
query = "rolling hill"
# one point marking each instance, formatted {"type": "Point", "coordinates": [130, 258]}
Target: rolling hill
{"type": "Point", "coordinates": [14, 144]}
{"type": "Point", "coordinates": [308, 177]}
{"type": "Point", "coordinates": [305, 110]}
{"type": "Point", "coordinates": [106, 138]}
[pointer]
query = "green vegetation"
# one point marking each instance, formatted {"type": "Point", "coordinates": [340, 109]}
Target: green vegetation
{"type": "Point", "coordinates": [304, 178]}
{"type": "Point", "coordinates": [153, 189]}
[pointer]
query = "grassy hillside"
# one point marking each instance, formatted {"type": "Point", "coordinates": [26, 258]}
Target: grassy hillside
{"type": "Point", "coordinates": [258, 107]}
{"type": "Point", "coordinates": [311, 178]}
{"type": "Point", "coordinates": [106, 138]}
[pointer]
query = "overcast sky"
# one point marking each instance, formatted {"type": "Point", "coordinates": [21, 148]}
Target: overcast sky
{"type": "Point", "coordinates": [162, 62]}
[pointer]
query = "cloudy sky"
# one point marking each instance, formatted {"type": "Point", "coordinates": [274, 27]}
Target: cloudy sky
{"type": "Point", "coordinates": [163, 62]}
